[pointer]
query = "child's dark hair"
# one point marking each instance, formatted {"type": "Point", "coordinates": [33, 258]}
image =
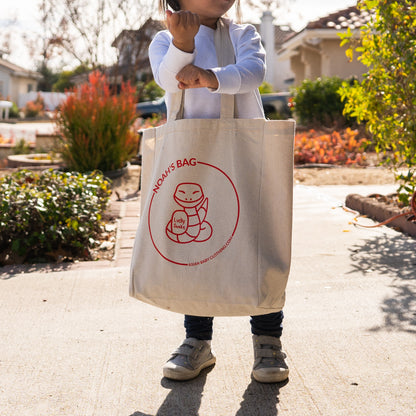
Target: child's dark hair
{"type": "Point", "coordinates": [174, 5]}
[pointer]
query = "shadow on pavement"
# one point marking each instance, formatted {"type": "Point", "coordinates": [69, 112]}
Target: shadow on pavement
{"type": "Point", "coordinates": [394, 256]}
{"type": "Point", "coordinates": [184, 398]}
{"type": "Point", "coordinates": [260, 399]}
{"type": "Point", "coordinates": [8, 272]}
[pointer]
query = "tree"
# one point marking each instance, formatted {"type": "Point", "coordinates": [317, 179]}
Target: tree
{"type": "Point", "coordinates": [385, 100]}
{"type": "Point", "coordinates": [63, 81]}
{"type": "Point", "coordinates": [6, 36]}
{"type": "Point", "coordinates": [49, 78]}
{"type": "Point", "coordinates": [84, 30]}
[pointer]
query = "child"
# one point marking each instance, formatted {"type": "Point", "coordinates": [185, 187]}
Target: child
{"type": "Point", "coordinates": [184, 58]}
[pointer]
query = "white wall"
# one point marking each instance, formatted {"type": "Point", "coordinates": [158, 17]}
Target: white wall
{"type": "Point", "coordinates": [51, 99]}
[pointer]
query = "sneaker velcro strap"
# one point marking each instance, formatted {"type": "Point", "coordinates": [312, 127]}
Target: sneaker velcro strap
{"type": "Point", "coordinates": [191, 342]}
{"type": "Point", "coordinates": [183, 350]}
{"type": "Point", "coordinates": [266, 353]}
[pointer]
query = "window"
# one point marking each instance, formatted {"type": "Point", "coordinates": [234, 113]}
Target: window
{"type": "Point", "coordinates": [1, 89]}
{"type": "Point", "coordinates": [29, 87]}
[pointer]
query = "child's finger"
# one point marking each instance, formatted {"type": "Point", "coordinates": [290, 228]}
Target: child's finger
{"type": "Point", "coordinates": [184, 19]}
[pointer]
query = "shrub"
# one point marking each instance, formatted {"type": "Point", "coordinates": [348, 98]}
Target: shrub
{"type": "Point", "coordinates": [317, 103]}
{"type": "Point", "coordinates": [14, 111]}
{"type": "Point", "coordinates": [21, 147]}
{"type": "Point", "coordinates": [49, 212]}
{"type": "Point", "coordinates": [330, 148]}
{"type": "Point", "coordinates": [34, 108]}
{"type": "Point", "coordinates": [385, 99]}
{"type": "Point", "coordinates": [265, 88]}
{"type": "Point", "coordinates": [151, 91]}
{"type": "Point", "coordinates": [96, 126]}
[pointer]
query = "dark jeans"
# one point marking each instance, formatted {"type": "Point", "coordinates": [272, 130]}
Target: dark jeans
{"type": "Point", "coordinates": [200, 327]}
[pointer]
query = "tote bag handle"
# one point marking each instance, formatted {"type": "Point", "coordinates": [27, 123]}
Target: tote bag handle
{"type": "Point", "coordinates": [225, 56]}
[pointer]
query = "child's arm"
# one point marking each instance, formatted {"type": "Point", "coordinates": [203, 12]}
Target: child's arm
{"type": "Point", "coordinates": [171, 51]}
{"type": "Point", "coordinates": [184, 26]}
{"type": "Point", "coordinates": [248, 72]}
{"type": "Point", "coordinates": [245, 75]}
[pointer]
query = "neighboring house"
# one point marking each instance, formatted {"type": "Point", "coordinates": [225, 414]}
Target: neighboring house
{"type": "Point", "coordinates": [132, 46]}
{"type": "Point", "coordinates": [133, 58]}
{"type": "Point", "coordinates": [15, 80]}
{"type": "Point", "coordinates": [315, 51]}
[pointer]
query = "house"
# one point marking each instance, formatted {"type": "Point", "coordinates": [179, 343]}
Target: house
{"type": "Point", "coordinates": [132, 46]}
{"type": "Point", "coordinates": [315, 51]}
{"type": "Point", "coordinates": [15, 80]}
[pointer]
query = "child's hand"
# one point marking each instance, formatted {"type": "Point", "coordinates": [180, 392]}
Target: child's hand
{"type": "Point", "coordinates": [183, 26]}
{"type": "Point", "coordinates": [192, 76]}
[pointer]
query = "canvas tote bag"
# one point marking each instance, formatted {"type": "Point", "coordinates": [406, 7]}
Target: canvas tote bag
{"type": "Point", "coordinates": [214, 237]}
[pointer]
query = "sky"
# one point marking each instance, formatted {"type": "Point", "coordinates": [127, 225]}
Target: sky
{"type": "Point", "coordinates": [26, 13]}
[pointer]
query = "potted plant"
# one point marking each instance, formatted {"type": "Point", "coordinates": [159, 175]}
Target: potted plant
{"type": "Point", "coordinates": [96, 126]}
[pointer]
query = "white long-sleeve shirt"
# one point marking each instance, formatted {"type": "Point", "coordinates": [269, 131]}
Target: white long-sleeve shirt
{"type": "Point", "coordinates": [242, 78]}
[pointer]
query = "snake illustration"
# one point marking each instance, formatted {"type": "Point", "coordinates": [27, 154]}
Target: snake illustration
{"type": "Point", "coordinates": [188, 224]}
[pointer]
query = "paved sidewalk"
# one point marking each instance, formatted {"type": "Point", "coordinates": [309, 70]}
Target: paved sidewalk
{"type": "Point", "coordinates": [72, 342]}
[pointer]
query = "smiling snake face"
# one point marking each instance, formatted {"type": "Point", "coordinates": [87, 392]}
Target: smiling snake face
{"type": "Point", "coordinates": [188, 195]}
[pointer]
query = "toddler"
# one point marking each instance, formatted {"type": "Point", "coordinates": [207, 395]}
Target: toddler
{"type": "Point", "coordinates": [183, 57]}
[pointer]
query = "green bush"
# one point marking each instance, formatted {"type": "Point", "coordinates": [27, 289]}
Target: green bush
{"type": "Point", "coordinates": [151, 91]}
{"type": "Point", "coordinates": [317, 103]}
{"type": "Point", "coordinates": [42, 214]}
{"type": "Point", "coordinates": [14, 111]}
{"type": "Point", "coordinates": [266, 88]}
{"type": "Point", "coordinates": [21, 147]}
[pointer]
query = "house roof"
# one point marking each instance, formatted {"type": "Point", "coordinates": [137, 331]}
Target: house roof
{"type": "Point", "coordinates": [146, 31]}
{"type": "Point", "coordinates": [281, 34]}
{"type": "Point", "coordinates": [327, 27]}
{"type": "Point", "coordinates": [352, 18]}
{"type": "Point", "coordinates": [18, 71]}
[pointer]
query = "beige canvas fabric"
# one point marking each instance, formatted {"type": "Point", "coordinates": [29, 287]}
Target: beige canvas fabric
{"type": "Point", "coordinates": [215, 232]}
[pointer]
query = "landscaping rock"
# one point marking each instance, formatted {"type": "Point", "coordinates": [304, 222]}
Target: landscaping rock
{"type": "Point", "coordinates": [380, 211]}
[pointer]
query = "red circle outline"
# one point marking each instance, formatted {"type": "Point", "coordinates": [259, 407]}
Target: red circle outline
{"type": "Point", "coordinates": [218, 251]}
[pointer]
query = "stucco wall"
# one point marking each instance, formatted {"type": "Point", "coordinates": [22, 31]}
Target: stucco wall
{"type": "Point", "coordinates": [298, 68]}
{"type": "Point", "coordinates": [282, 73]}
{"type": "Point", "coordinates": [328, 59]}
{"type": "Point", "coordinates": [5, 81]}
{"type": "Point", "coordinates": [20, 85]}
{"type": "Point", "coordinates": [335, 62]}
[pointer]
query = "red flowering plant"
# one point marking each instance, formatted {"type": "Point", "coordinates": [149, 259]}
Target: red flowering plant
{"type": "Point", "coordinates": [96, 126]}
{"type": "Point", "coordinates": [34, 108]}
{"type": "Point", "coordinates": [330, 148]}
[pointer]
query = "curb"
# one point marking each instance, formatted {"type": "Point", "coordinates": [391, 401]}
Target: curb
{"type": "Point", "coordinates": [380, 211]}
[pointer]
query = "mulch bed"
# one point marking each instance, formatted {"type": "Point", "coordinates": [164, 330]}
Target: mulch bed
{"type": "Point", "coordinates": [383, 207]}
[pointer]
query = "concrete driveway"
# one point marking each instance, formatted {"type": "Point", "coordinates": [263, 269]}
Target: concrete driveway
{"type": "Point", "coordinates": [72, 342]}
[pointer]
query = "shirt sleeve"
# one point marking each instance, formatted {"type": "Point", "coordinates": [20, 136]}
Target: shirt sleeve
{"type": "Point", "coordinates": [167, 60]}
{"type": "Point", "coordinates": [248, 72]}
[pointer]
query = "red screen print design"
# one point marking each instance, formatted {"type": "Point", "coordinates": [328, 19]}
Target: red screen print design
{"type": "Point", "coordinates": [188, 224]}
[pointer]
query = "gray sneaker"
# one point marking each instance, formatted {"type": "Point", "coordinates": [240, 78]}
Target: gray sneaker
{"type": "Point", "coordinates": [188, 360]}
{"type": "Point", "coordinates": [269, 360]}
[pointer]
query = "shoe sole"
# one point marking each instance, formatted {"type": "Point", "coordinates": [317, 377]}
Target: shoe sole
{"type": "Point", "coordinates": [271, 378]}
{"type": "Point", "coordinates": [174, 374]}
